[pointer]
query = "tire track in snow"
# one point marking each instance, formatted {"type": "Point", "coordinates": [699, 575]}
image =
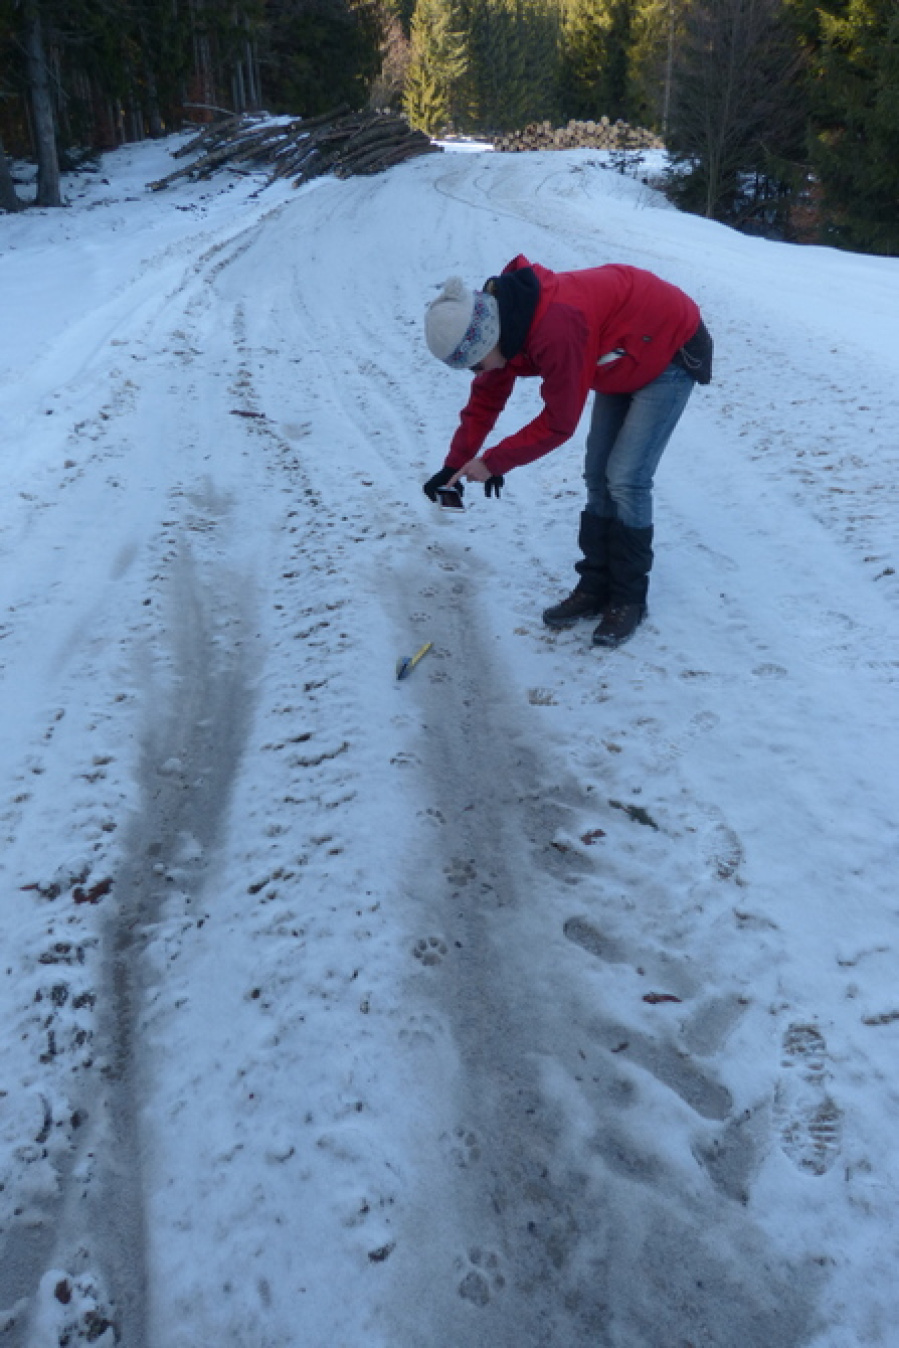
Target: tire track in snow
{"type": "Point", "coordinates": [548, 1203]}
{"type": "Point", "coordinates": [196, 720]}
{"type": "Point", "coordinates": [618, 1206]}
{"type": "Point", "coordinates": [193, 742]}
{"type": "Point", "coordinates": [537, 1231]}
{"type": "Point", "coordinates": [193, 746]}
{"type": "Point", "coordinates": [77, 1266]}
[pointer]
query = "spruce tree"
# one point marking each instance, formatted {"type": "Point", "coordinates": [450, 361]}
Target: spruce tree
{"type": "Point", "coordinates": [513, 69]}
{"type": "Point", "coordinates": [318, 53]}
{"type": "Point", "coordinates": [596, 38]}
{"type": "Point", "coordinates": [856, 122]}
{"type": "Point", "coordinates": [657, 28]}
{"type": "Point", "coordinates": [540, 68]}
{"type": "Point", "coordinates": [438, 62]}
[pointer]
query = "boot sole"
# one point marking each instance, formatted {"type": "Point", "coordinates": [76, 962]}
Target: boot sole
{"type": "Point", "coordinates": [558, 624]}
{"type": "Point", "coordinates": [611, 644]}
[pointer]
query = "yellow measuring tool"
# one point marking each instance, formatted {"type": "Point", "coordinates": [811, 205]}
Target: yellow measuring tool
{"type": "Point", "coordinates": [406, 665]}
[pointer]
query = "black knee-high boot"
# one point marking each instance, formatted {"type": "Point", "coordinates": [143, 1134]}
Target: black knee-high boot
{"type": "Point", "coordinates": [630, 562]}
{"type": "Point", "coordinates": [593, 568]}
{"type": "Point", "coordinates": [591, 594]}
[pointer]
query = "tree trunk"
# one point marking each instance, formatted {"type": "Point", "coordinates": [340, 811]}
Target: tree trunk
{"type": "Point", "coordinates": [669, 68]}
{"type": "Point", "coordinates": [9, 201]}
{"type": "Point", "coordinates": [154, 114]}
{"type": "Point", "coordinates": [238, 89]}
{"type": "Point", "coordinates": [48, 193]}
{"type": "Point", "coordinates": [253, 77]}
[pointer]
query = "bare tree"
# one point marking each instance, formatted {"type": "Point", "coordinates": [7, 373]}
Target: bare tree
{"type": "Point", "coordinates": [388, 85]}
{"type": "Point", "coordinates": [737, 105]}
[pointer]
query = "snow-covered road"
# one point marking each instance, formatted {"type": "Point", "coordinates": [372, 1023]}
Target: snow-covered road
{"type": "Point", "coordinates": [544, 998]}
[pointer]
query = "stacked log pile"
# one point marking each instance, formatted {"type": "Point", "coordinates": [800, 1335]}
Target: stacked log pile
{"type": "Point", "coordinates": [600, 135]}
{"type": "Point", "coordinates": [340, 142]}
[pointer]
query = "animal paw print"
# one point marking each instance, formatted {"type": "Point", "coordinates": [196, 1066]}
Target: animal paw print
{"type": "Point", "coordinates": [460, 872]}
{"type": "Point", "coordinates": [769, 671]}
{"type": "Point", "coordinates": [466, 1148]}
{"type": "Point", "coordinates": [430, 950]}
{"type": "Point", "coordinates": [421, 1030]}
{"type": "Point", "coordinates": [809, 1121]}
{"type": "Point", "coordinates": [482, 1276]}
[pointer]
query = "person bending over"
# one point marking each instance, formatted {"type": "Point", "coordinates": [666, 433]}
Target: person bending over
{"type": "Point", "coordinates": [635, 341]}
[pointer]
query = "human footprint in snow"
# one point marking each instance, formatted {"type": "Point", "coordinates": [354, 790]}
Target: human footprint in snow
{"type": "Point", "coordinates": [637, 342]}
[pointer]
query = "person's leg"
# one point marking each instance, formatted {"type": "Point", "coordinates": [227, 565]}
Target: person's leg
{"type": "Point", "coordinates": [608, 416]}
{"type": "Point", "coordinates": [591, 594]}
{"type": "Point", "coordinates": [630, 470]}
{"type": "Point", "coordinates": [593, 568]}
{"type": "Point", "coordinates": [643, 433]}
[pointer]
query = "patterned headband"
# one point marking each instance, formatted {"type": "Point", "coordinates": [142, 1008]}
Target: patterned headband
{"type": "Point", "coordinates": [481, 335]}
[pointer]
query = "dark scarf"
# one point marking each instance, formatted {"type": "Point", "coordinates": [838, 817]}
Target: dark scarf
{"type": "Point", "coordinates": [517, 295]}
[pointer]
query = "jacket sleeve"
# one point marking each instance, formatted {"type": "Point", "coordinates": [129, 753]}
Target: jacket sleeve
{"type": "Point", "coordinates": [560, 352]}
{"type": "Point", "coordinates": [489, 394]}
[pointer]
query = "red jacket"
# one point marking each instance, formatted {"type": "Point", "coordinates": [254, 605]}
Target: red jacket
{"type": "Point", "coordinates": [581, 316]}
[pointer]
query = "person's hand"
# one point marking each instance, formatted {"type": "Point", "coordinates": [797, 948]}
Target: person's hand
{"type": "Point", "coordinates": [475, 470]}
{"type": "Point", "coordinates": [432, 485]}
{"type": "Point", "coordinates": [494, 485]}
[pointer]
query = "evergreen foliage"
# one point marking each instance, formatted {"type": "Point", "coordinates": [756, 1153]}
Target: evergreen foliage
{"type": "Point", "coordinates": [751, 95]}
{"type": "Point", "coordinates": [438, 63]}
{"type": "Point", "coordinates": [855, 119]}
{"type": "Point", "coordinates": [596, 51]}
{"type": "Point", "coordinates": [657, 28]}
{"type": "Point", "coordinates": [315, 54]}
{"type": "Point", "coordinates": [738, 112]}
{"type": "Point", "coordinates": [513, 68]}
{"type": "Point", "coordinates": [124, 69]}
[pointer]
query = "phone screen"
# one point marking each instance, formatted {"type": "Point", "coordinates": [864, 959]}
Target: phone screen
{"type": "Point", "coordinates": [450, 497]}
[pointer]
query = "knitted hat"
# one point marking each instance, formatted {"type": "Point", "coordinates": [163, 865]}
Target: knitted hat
{"type": "Point", "coordinates": [461, 325]}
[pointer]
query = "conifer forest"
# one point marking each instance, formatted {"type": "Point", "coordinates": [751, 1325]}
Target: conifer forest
{"type": "Point", "coordinates": [781, 117]}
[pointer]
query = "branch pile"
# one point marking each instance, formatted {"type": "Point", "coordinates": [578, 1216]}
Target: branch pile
{"type": "Point", "coordinates": [340, 142]}
{"type": "Point", "coordinates": [601, 135]}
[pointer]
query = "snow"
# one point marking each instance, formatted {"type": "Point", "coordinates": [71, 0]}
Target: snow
{"type": "Point", "coordinates": [545, 997]}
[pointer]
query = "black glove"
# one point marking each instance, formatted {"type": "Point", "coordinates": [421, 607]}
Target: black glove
{"type": "Point", "coordinates": [438, 480]}
{"type": "Point", "coordinates": [494, 485]}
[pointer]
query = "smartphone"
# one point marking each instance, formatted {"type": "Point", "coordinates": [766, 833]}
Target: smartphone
{"type": "Point", "coordinates": [450, 497]}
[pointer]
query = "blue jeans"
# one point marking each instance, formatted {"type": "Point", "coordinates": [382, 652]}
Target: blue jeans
{"type": "Point", "coordinates": [628, 433]}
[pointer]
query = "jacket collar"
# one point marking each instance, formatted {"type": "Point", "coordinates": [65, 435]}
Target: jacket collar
{"type": "Point", "coordinates": [517, 295]}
